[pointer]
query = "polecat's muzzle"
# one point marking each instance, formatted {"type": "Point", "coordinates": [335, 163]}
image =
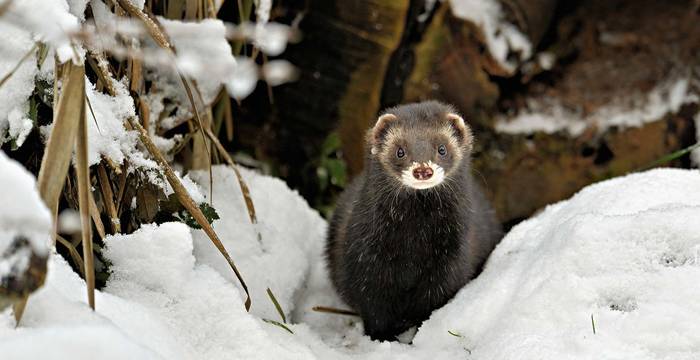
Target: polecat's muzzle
{"type": "Point", "coordinates": [422, 173]}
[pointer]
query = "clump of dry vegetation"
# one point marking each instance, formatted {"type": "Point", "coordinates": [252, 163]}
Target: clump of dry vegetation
{"type": "Point", "coordinates": [124, 59]}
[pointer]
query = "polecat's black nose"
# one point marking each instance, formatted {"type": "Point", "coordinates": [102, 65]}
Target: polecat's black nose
{"type": "Point", "coordinates": [422, 173]}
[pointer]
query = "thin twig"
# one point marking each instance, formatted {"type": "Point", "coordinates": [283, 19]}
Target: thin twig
{"type": "Point", "coordinates": [21, 61]}
{"type": "Point", "coordinates": [187, 202]}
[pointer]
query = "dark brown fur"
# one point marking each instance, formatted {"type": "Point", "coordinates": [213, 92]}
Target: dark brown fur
{"type": "Point", "coordinates": [396, 253]}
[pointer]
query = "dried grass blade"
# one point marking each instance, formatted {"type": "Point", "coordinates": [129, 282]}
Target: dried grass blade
{"type": "Point", "coordinates": [57, 156]}
{"type": "Point", "coordinates": [277, 323]}
{"type": "Point", "coordinates": [95, 214]}
{"type": "Point", "coordinates": [108, 198]}
{"type": "Point", "coordinates": [83, 174]}
{"type": "Point", "coordinates": [277, 305]}
{"type": "Point", "coordinates": [136, 71]}
{"type": "Point", "coordinates": [21, 61]}
{"type": "Point", "coordinates": [241, 183]}
{"type": "Point", "coordinates": [98, 63]}
{"type": "Point", "coordinates": [330, 310]}
{"type": "Point", "coordinates": [77, 259]}
{"type": "Point", "coordinates": [94, 118]}
{"type": "Point", "coordinates": [188, 90]}
{"type": "Point", "coordinates": [18, 309]}
{"type": "Point", "coordinates": [228, 120]}
{"type": "Point", "coordinates": [161, 38]}
{"type": "Point", "coordinates": [122, 188]}
{"type": "Point", "coordinates": [188, 203]}
{"type": "Point", "coordinates": [151, 26]}
{"type": "Point", "coordinates": [54, 164]}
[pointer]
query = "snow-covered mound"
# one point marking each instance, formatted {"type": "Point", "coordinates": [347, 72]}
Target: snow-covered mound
{"type": "Point", "coordinates": [622, 252]}
{"type": "Point", "coordinates": [278, 258]}
{"type": "Point", "coordinates": [24, 231]}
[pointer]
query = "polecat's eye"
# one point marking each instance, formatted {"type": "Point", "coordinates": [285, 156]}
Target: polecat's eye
{"type": "Point", "coordinates": [400, 153]}
{"type": "Point", "coordinates": [442, 150]}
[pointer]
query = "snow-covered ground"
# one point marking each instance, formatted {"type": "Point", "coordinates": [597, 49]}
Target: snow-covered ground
{"type": "Point", "coordinates": [622, 254]}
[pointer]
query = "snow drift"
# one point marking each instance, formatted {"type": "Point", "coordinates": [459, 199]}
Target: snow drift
{"type": "Point", "coordinates": [623, 252]}
{"type": "Point", "coordinates": [25, 225]}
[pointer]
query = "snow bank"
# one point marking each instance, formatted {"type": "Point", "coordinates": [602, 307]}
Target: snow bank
{"type": "Point", "coordinates": [623, 251]}
{"type": "Point", "coordinates": [288, 233]}
{"type": "Point", "coordinates": [22, 214]}
{"type": "Point", "coordinates": [24, 232]}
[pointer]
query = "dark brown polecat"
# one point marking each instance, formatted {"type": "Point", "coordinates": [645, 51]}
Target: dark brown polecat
{"type": "Point", "coordinates": [413, 228]}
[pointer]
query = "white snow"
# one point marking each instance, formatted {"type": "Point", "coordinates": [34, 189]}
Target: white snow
{"type": "Point", "coordinates": [502, 37]}
{"type": "Point", "coordinates": [51, 21]}
{"type": "Point", "coordinates": [278, 72]}
{"type": "Point", "coordinates": [636, 110]}
{"type": "Point", "coordinates": [624, 251]}
{"type": "Point", "coordinates": [22, 214]}
{"type": "Point", "coordinates": [202, 52]}
{"type": "Point", "coordinates": [77, 8]}
{"type": "Point", "coordinates": [109, 138]}
{"type": "Point", "coordinates": [262, 11]}
{"type": "Point", "coordinates": [270, 37]}
{"type": "Point", "coordinates": [15, 92]}
{"type": "Point", "coordinates": [107, 135]}
{"type": "Point", "coordinates": [243, 80]}
{"type": "Point", "coordinates": [288, 232]}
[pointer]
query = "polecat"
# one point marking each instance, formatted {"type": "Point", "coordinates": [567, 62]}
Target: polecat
{"type": "Point", "coordinates": [413, 228]}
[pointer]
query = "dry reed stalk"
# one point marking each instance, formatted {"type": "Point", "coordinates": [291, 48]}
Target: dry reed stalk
{"type": "Point", "coordinates": [68, 109]}
{"type": "Point", "coordinates": [74, 254]}
{"type": "Point", "coordinates": [241, 183]}
{"type": "Point", "coordinates": [108, 198]}
{"type": "Point", "coordinates": [95, 214]}
{"type": "Point", "coordinates": [83, 174]}
{"type": "Point", "coordinates": [186, 201]}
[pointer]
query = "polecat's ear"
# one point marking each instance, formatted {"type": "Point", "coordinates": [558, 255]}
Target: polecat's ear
{"type": "Point", "coordinates": [461, 130]}
{"type": "Point", "coordinates": [380, 129]}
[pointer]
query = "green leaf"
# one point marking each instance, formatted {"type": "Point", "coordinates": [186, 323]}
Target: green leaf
{"type": "Point", "coordinates": [277, 323]}
{"type": "Point", "coordinates": [209, 213]}
{"type": "Point", "coordinates": [33, 110]}
{"type": "Point", "coordinates": [277, 305]}
{"type": "Point", "coordinates": [338, 171]}
{"type": "Point", "coordinates": [670, 157]}
{"type": "Point", "coordinates": [330, 145]}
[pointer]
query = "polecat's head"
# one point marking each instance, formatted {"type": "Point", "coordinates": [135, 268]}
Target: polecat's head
{"type": "Point", "coordinates": [420, 144]}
